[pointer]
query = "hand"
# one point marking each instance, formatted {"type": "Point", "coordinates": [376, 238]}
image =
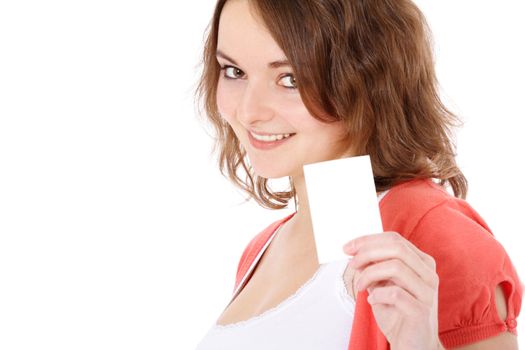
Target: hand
{"type": "Point", "coordinates": [403, 288]}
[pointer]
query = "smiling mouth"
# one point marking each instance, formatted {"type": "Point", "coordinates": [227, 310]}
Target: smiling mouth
{"type": "Point", "coordinates": [268, 142]}
{"type": "Point", "coordinates": [271, 137]}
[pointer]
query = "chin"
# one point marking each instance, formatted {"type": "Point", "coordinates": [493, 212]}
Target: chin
{"type": "Point", "coordinates": [271, 174]}
{"type": "Point", "coordinates": [276, 173]}
{"type": "Point", "coordinates": [272, 167]}
{"type": "Point", "coordinates": [270, 171]}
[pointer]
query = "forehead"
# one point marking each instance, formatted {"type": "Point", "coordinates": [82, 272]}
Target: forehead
{"type": "Point", "coordinates": [243, 35]}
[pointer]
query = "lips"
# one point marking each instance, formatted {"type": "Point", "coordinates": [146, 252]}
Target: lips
{"type": "Point", "coordinates": [267, 145]}
{"type": "Point", "coordinates": [269, 133]}
{"type": "Point", "coordinates": [270, 138]}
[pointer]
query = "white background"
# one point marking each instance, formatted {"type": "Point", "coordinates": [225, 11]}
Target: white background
{"type": "Point", "coordinates": [116, 229]}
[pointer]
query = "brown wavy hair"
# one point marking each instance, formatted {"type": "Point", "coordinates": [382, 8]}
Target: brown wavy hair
{"type": "Point", "coordinates": [366, 62]}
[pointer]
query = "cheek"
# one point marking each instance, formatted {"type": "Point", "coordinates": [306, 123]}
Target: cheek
{"type": "Point", "coordinates": [296, 114]}
{"type": "Point", "coordinates": [303, 121]}
{"type": "Point", "coordinates": [226, 100]}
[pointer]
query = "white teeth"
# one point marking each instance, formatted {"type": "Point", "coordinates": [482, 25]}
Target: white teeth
{"type": "Point", "coordinates": [269, 138]}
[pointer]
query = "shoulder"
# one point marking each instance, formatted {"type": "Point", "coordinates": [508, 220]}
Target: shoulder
{"type": "Point", "coordinates": [254, 246]}
{"type": "Point", "coordinates": [444, 226]}
{"type": "Point", "coordinates": [416, 203]}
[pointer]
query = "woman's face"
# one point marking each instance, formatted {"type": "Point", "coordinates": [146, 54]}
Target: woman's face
{"type": "Point", "coordinates": [253, 95]}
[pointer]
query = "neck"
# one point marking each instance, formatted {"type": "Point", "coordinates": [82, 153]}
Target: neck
{"type": "Point", "coordinates": [302, 217]}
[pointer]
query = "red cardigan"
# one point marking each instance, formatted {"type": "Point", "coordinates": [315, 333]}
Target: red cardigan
{"type": "Point", "coordinates": [470, 263]}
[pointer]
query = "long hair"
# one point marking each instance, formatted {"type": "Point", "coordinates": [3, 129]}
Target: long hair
{"type": "Point", "coordinates": [368, 63]}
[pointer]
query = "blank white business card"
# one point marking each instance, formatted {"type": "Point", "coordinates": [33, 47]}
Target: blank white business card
{"type": "Point", "coordinates": [343, 203]}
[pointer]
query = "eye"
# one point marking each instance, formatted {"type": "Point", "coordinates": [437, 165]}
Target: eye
{"type": "Point", "coordinates": [291, 80]}
{"type": "Point", "coordinates": [234, 73]}
{"type": "Point", "coordinates": [231, 72]}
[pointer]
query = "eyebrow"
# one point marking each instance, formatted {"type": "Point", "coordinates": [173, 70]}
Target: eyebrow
{"type": "Point", "coordinates": [274, 64]}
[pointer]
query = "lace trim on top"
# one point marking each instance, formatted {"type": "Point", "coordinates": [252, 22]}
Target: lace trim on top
{"type": "Point", "coordinates": [272, 310]}
{"type": "Point", "coordinates": [345, 298]}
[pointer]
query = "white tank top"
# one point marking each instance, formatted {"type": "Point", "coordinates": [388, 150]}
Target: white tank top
{"type": "Point", "coordinates": [318, 316]}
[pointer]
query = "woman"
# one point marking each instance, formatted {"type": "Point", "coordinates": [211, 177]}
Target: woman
{"type": "Point", "coordinates": [288, 83]}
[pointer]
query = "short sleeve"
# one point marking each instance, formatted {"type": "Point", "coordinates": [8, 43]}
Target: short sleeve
{"type": "Point", "coordinates": [470, 264]}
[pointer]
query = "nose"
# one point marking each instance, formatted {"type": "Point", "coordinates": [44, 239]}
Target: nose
{"type": "Point", "coordinates": [255, 105]}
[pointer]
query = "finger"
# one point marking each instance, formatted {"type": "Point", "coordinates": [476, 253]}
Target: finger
{"type": "Point", "coordinates": [389, 248]}
{"type": "Point", "coordinates": [354, 245]}
{"type": "Point", "coordinates": [372, 254]}
{"type": "Point", "coordinates": [399, 298]}
{"type": "Point", "coordinates": [371, 287]}
{"type": "Point", "coordinates": [396, 271]}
